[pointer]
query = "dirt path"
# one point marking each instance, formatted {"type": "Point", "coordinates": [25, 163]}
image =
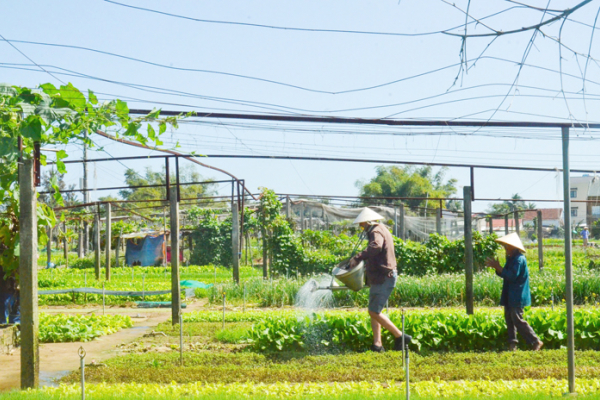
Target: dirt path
{"type": "Point", "coordinates": [58, 359]}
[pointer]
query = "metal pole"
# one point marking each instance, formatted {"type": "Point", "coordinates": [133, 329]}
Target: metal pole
{"type": "Point", "coordinates": [108, 244]}
{"type": "Point", "coordinates": [396, 221]}
{"type": "Point", "coordinates": [568, 260]}
{"type": "Point", "coordinates": [223, 310]}
{"type": "Point", "coordinates": [28, 272]}
{"type": "Point", "coordinates": [302, 218]}
{"type": "Point", "coordinates": [403, 344]}
{"type": "Point", "coordinates": [165, 230]}
{"type": "Point", "coordinates": [407, 375]}
{"type": "Point", "coordinates": [175, 288]}
{"type": "Point", "coordinates": [86, 195]}
{"type": "Point", "coordinates": [517, 227]}
{"type": "Point", "coordinates": [438, 221]}
{"type": "Point", "coordinates": [468, 250]}
{"type": "Point", "coordinates": [81, 353]}
{"type": "Point", "coordinates": [80, 240]}
{"type": "Point", "coordinates": [540, 235]}
{"type": "Point", "coordinates": [97, 245]}
{"type": "Point", "coordinates": [181, 339]}
{"type": "Point", "coordinates": [49, 247]}
{"type": "Point", "coordinates": [235, 242]}
{"type": "Point", "coordinates": [491, 222]}
{"type": "Point", "coordinates": [118, 249]}
{"type": "Point", "coordinates": [401, 223]}
{"type": "Point", "coordinates": [65, 245]}
{"type": "Point", "coordinates": [288, 207]}
{"type": "Point", "coordinates": [506, 231]}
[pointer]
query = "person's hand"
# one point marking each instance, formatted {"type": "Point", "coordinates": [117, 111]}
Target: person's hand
{"type": "Point", "coordinates": [353, 262]}
{"type": "Point", "coordinates": [493, 263]}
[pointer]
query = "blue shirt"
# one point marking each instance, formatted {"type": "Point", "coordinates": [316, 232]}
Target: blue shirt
{"type": "Point", "coordinates": [585, 234]}
{"type": "Point", "coordinates": [515, 289]}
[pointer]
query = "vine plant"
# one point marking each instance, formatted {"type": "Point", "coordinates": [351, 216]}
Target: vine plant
{"type": "Point", "coordinates": [54, 116]}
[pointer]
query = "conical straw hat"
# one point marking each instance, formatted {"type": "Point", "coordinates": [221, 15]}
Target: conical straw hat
{"type": "Point", "coordinates": [512, 240]}
{"type": "Point", "coordinates": [367, 215]}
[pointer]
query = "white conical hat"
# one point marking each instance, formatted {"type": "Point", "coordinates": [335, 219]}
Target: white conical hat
{"type": "Point", "coordinates": [512, 240]}
{"type": "Point", "coordinates": [367, 215]}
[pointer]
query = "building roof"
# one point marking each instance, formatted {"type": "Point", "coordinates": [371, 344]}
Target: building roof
{"type": "Point", "coordinates": [547, 214]}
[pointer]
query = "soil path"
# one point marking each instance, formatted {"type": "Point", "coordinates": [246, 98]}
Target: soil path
{"type": "Point", "coordinates": [58, 359]}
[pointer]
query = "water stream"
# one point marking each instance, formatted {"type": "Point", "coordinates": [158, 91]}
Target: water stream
{"type": "Point", "coordinates": [310, 299]}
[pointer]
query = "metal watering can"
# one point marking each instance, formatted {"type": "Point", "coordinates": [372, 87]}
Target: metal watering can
{"type": "Point", "coordinates": [354, 278]}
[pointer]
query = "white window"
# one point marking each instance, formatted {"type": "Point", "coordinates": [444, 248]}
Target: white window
{"type": "Point", "coordinates": [574, 212]}
{"type": "Point", "coordinates": [573, 193]}
{"type": "Point", "coordinates": [596, 211]}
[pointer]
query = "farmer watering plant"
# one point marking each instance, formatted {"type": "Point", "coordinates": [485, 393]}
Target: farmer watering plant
{"type": "Point", "coordinates": [381, 273]}
{"type": "Point", "coordinates": [515, 291]}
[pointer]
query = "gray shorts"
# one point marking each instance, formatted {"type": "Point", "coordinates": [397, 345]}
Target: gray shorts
{"type": "Point", "coordinates": [379, 294]}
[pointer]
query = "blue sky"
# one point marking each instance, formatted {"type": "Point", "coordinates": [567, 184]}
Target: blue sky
{"type": "Point", "coordinates": [331, 62]}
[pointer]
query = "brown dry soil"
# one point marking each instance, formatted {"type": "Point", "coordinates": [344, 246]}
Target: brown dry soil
{"type": "Point", "coordinates": [58, 359]}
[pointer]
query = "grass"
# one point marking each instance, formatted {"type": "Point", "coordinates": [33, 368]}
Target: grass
{"type": "Point", "coordinates": [232, 367]}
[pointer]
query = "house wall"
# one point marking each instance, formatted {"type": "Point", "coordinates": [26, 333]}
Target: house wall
{"type": "Point", "coordinates": [581, 184]}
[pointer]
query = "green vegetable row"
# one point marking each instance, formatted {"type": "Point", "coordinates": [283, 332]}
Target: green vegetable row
{"type": "Point", "coordinates": [445, 290]}
{"type": "Point", "coordinates": [435, 330]}
{"type": "Point", "coordinates": [58, 328]}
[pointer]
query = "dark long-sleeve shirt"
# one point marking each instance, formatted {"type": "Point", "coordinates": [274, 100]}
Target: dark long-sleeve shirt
{"type": "Point", "coordinates": [379, 254]}
{"type": "Point", "coordinates": [515, 289]}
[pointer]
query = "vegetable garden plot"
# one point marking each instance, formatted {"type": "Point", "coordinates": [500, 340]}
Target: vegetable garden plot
{"type": "Point", "coordinates": [432, 330]}
{"type": "Point", "coordinates": [59, 328]}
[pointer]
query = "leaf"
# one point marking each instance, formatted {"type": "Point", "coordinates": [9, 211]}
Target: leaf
{"type": "Point", "coordinates": [92, 97]}
{"type": "Point", "coordinates": [33, 129]}
{"type": "Point", "coordinates": [73, 97]}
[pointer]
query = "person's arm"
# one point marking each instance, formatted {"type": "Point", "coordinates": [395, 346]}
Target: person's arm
{"type": "Point", "coordinates": [510, 273]}
{"type": "Point", "coordinates": [375, 246]}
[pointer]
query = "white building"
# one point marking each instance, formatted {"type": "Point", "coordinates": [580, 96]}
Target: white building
{"type": "Point", "coordinates": [586, 187]}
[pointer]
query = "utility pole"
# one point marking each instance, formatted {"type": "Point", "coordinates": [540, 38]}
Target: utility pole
{"type": "Point", "coordinates": [175, 288]}
{"type": "Point", "coordinates": [468, 250]}
{"type": "Point", "coordinates": [28, 241]}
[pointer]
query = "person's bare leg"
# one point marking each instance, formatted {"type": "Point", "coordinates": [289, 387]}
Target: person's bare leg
{"type": "Point", "coordinates": [376, 327]}
{"type": "Point", "coordinates": [384, 321]}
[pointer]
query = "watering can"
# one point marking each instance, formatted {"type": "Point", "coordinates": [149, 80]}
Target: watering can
{"type": "Point", "coordinates": [353, 278]}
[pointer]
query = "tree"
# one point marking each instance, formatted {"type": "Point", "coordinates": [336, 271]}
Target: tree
{"type": "Point", "coordinates": [408, 181]}
{"type": "Point", "coordinates": [516, 204]}
{"type": "Point", "coordinates": [186, 174]}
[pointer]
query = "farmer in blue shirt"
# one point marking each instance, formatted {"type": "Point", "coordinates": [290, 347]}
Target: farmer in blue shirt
{"type": "Point", "coordinates": [515, 291]}
{"type": "Point", "coordinates": [585, 235]}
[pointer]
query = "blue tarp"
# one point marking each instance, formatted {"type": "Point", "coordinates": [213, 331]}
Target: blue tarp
{"type": "Point", "coordinates": [146, 252]}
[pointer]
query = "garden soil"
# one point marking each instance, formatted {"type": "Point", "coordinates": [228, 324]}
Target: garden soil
{"type": "Point", "coordinates": [58, 359]}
